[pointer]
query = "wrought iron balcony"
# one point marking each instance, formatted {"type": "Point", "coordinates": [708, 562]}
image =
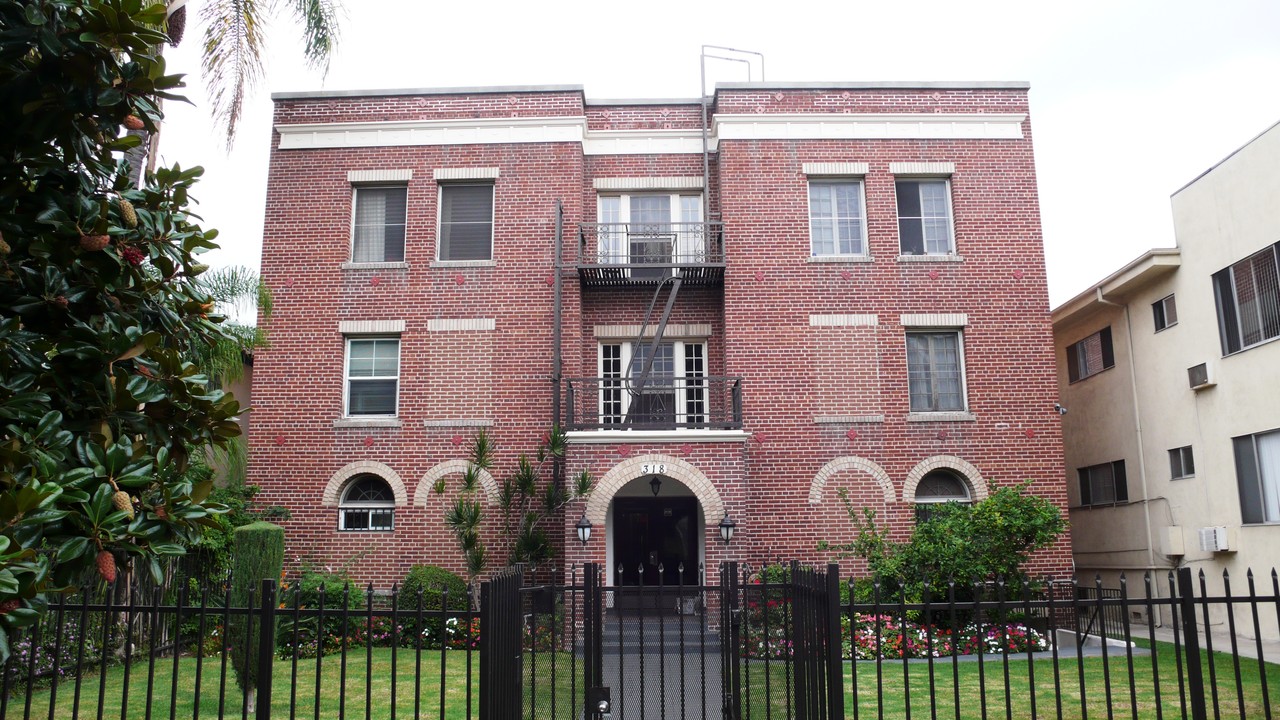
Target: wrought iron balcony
{"type": "Point", "coordinates": [645, 253]}
{"type": "Point", "coordinates": [661, 403]}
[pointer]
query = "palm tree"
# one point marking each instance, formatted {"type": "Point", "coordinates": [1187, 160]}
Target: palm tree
{"type": "Point", "coordinates": [233, 47]}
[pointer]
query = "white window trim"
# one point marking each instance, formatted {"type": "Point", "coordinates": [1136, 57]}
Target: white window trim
{"type": "Point", "coordinates": [961, 415]}
{"type": "Point", "coordinates": [356, 187]}
{"type": "Point", "coordinates": [676, 216]}
{"type": "Point", "coordinates": [1164, 308]}
{"type": "Point", "coordinates": [354, 420]}
{"type": "Point", "coordinates": [862, 201]}
{"type": "Point", "coordinates": [954, 251]}
{"type": "Point", "coordinates": [344, 505]}
{"type": "Point", "coordinates": [626, 353]}
{"type": "Point", "coordinates": [493, 223]}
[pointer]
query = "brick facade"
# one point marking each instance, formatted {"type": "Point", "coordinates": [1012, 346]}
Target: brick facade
{"type": "Point", "coordinates": [818, 343]}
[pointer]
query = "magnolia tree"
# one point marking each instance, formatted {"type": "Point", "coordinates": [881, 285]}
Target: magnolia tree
{"type": "Point", "coordinates": [100, 310]}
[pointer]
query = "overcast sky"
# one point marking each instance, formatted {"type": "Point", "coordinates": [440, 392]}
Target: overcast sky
{"type": "Point", "coordinates": [1129, 100]}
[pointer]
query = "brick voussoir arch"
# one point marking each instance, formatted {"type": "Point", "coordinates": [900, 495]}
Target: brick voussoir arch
{"type": "Point", "coordinates": [453, 467]}
{"type": "Point", "coordinates": [333, 491]}
{"type": "Point", "coordinates": [849, 462]}
{"type": "Point", "coordinates": [677, 469]}
{"type": "Point", "coordinates": [963, 467]}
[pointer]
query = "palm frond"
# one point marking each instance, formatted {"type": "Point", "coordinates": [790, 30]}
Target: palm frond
{"type": "Point", "coordinates": [320, 22]}
{"type": "Point", "coordinates": [232, 57]}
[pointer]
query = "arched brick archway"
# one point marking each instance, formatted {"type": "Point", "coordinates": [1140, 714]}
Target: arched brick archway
{"type": "Point", "coordinates": [333, 490]}
{"type": "Point", "coordinates": [452, 467]}
{"type": "Point", "coordinates": [849, 462]}
{"type": "Point", "coordinates": [676, 469]}
{"type": "Point", "coordinates": [961, 467]}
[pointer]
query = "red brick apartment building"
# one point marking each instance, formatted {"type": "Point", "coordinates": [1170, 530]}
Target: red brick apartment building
{"type": "Point", "coordinates": [796, 289]}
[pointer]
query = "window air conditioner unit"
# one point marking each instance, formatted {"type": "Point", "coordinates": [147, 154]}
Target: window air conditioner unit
{"type": "Point", "coordinates": [1199, 377]}
{"type": "Point", "coordinates": [1214, 539]}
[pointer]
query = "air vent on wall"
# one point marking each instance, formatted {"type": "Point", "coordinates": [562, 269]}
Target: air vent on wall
{"type": "Point", "coordinates": [1214, 539]}
{"type": "Point", "coordinates": [1199, 378]}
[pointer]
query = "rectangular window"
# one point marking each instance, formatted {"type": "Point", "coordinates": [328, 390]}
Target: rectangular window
{"type": "Point", "coordinates": [924, 217]}
{"type": "Point", "coordinates": [837, 223]}
{"type": "Point", "coordinates": [1165, 312]}
{"type": "Point", "coordinates": [466, 222]}
{"type": "Point", "coordinates": [672, 395]}
{"type": "Point", "coordinates": [650, 229]}
{"type": "Point", "coordinates": [378, 224]}
{"type": "Point", "coordinates": [1248, 297]}
{"type": "Point", "coordinates": [373, 376]}
{"type": "Point", "coordinates": [1258, 475]}
{"type": "Point", "coordinates": [1103, 484]}
{"type": "Point", "coordinates": [1090, 356]}
{"type": "Point", "coordinates": [1181, 463]}
{"type": "Point", "coordinates": [935, 377]}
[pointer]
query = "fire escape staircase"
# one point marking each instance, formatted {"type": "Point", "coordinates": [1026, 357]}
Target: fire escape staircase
{"type": "Point", "coordinates": [673, 280]}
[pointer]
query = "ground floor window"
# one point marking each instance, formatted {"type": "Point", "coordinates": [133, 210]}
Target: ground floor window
{"type": "Point", "coordinates": [1258, 475]}
{"type": "Point", "coordinates": [367, 504]}
{"type": "Point", "coordinates": [937, 487]}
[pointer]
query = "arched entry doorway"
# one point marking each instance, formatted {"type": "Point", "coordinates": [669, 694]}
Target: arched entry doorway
{"type": "Point", "coordinates": [657, 533]}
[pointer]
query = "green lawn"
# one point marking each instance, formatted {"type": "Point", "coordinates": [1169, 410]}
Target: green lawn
{"type": "Point", "coordinates": [976, 692]}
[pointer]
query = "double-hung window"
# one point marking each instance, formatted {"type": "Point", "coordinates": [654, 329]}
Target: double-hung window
{"type": "Point", "coordinates": [1248, 297]}
{"type": "Point", "coordinates": [650, 229]}
{"type": "Point", "coordinates": [837, 220]}
{"type": "Point", "coordinates": [924, 217]}
{"type": "Point", "coordinates": [1182, 463]}
{"type": "Point", "coordinates": [378, 224]}
{"type": "Point", "coordinates": [373, 376]}
{"type": "Point", "coordinates": [673, 394]}
{"type": "Point", "coordinates": [1090, 356]}
{"type": "Point", "coordinates": [466, 222]}
{"type": "Point", "coordinates": [1258, 476]}
{"type": "Point", "coordinates": [935, 371]}
{"type": "Point", "coordinates": [1103, 484]}
{"type": "Point", "coordinates": [367, 504]}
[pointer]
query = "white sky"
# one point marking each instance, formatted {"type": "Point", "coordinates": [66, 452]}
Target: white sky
{"type": "Point", "coordinates": [1130, 100]}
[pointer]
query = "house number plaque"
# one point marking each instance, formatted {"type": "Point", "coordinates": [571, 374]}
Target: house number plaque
{"type": "Point", "coordinates": [653, 469]}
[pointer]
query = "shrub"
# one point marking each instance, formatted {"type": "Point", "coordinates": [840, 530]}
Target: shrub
{"type": "Point", "coordinates": [434, 583]}
{"type": "Point", "coordinates": [259, 555]}
{"type": "Point", "coordinates": [312, 636]}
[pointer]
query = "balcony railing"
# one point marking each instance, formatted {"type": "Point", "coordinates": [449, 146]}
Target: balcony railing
{"type": "Point", "coordinates": [662, 403]}
{"type": "Point", "coordinates": [640, 253]}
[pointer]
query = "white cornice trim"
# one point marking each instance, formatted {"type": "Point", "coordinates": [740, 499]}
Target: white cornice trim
{"type": "Point", "coordinates": [644, 142]}
{"type": "Point", "coordinates": [859, 126]}
{"type": "Point", "coordinates": [649, 183]}
{"type": "Point", "coordinates": [471, 131]}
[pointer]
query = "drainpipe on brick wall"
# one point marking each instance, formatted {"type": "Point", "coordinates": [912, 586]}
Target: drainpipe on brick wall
{"type": "Point", "coordinates": [557, 319]}
{"type": "Point", "coordinates": [1137, 424]}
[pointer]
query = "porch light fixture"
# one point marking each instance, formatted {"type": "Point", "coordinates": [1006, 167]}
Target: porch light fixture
{"type": "Point", "coordinates": [655, 484]}
{"type": "Point", "coordinates": [584, 529]}
{"type": "Point", "coordinates": [727, 528]}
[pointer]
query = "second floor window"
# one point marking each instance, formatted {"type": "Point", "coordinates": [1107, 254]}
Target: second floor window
{"type": "Point", "coordinates": [1103, 484]}
{"type": "Point", "coordinates": [935, 377]}
{"type": "Point", "coordinates": [373, 376]}
{"type": "Point", "coordinates": [924, 217]}
{"type": "Point", "coordinates": [673, 394]}
{"type": "Point", "coordinates": [837, 223]}
{"type": "Point", "coordinates": [466, 222]}
{"type": "Point", "coordinates": [378, 225]}
{"type": "Point", "coordinates": [1090, 356]}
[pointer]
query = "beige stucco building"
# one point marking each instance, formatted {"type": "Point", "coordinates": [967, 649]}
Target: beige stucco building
{"type": "Point", "coordinates": [1169, 373]}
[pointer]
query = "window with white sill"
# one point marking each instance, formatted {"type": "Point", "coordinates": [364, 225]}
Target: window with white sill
{"type": "Point", "coordinates": [367, 504]}
{"type": "Point", "coordinates": [837, 220]}
{"type": "Point", "coordinates": [466, 222]}
{"type": "Point", "coordinates": [924, 217]}
{"type": "Point", "coordinates": [650, 229]}
{"type": "Point", "coordinates": [378, 224]}
{"type": "Point", "coordinates": [935, 371]}
{"type": "Point", "coordinates": [672, 395]}
{"type": "Point", "coordinates": [372, 377]}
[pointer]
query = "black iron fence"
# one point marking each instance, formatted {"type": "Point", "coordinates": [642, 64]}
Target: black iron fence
{"type": "Point", "coordinates": [779, 641]}
{"type": "Point", "coordinates": [642, 253]}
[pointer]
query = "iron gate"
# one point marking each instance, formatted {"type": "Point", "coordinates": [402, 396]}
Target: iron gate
{"type": "Point", "coordinates": [615, 648]}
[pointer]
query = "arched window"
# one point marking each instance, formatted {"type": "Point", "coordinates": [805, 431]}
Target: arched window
{"type": "Point", "coordinates": [367, 504]}
{"type": "Point", "coordinates": [940, 486]}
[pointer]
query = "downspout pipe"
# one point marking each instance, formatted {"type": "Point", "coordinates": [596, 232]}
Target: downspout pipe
{"type": "Point", "coordinates": [1137, 421]}
{"type": "Point", "coordinates": [557, 319]}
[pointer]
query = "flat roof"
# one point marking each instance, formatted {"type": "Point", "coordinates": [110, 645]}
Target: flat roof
{"type": "Point", "coordinates": [1134, 275]}
{"type": "Point", "coordinates": [880, 85]}
{"type": "Point", "coordinates": [487, 90]}
{"type": "Point", "coordinates": [1232, 154]}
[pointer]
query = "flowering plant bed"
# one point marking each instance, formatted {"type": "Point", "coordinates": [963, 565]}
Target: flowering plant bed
{"type": "Point", "coordinates": [866, 637]}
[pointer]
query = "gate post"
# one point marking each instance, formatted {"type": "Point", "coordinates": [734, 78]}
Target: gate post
{"type": "Point", "coordinates": [592, 642]}
{"type": "Point", "coordinates": [730, 632]}
{"type": "Point", "coordinates": [835, 645]}
{"type": "Point", "coordinates": [1191, 637]}
{"type": "Point", "coordinates": [266, 648]}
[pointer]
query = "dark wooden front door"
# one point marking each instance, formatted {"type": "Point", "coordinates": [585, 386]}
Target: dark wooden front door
{"type": "Point", "coordinates": [649, 533]}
